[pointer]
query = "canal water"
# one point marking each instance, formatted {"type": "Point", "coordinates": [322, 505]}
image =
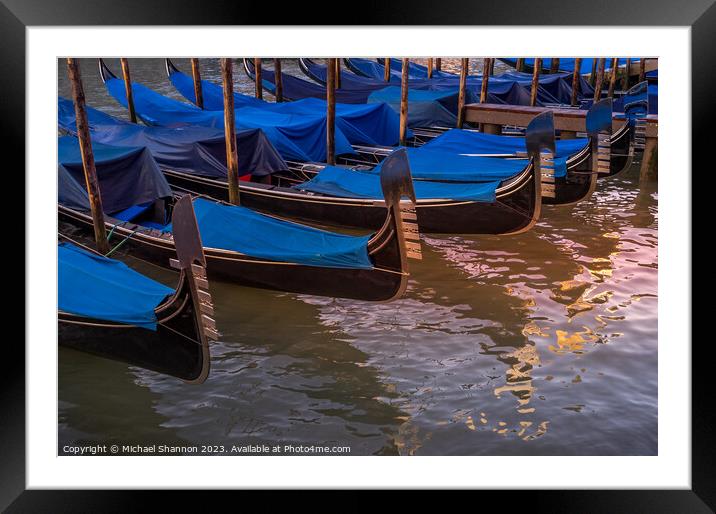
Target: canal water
{"type": "Point", "coordinates": [543, 343]}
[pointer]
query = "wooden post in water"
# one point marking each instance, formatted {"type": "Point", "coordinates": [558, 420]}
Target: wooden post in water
{"type": "Point", "coordinates": [492, 66]}
{"type": "Point", "coordinates": [642, 69]}
{"type": "Point", "coordinates": [232, 158]}
{"type": "Point", "coordinates": [93, 191]}
{"type": "Point", "coordinates": [485, 80]}
{"type": "Point", "coordinates": [196, 75]}
{"type": "Point", "coordinates": [439, 63]}
{"type": "Point", "coordinates": [258, 83]}
{"type": "Point", "coordinates": [461, 92]}
{"type": "Point", "coordinates": [613, 77]}
{"type": "Point", "coordinates": [404, 101]}
{"type": "Point", "coordinates": [520, 64]}
{"type": "Point", "coordinates": [593, 74]}
{"type": "Point", "coordinates": [575, 79]}
{"type": "Point", "coordinates": [554, 65]}
{"type": "Point", "coordinates": [338, 72]}
{"type": "Point", "coordinates": [535, 81]}
{"type": "Point", "coordinates": [386, 69]}
{"type": "Point", "coordinates": [625, 78]}
{"type": "Point", "coordinates": [430, 67]}
{"type": "Point", "coordinates": [128, 89]}
{"type": "Point", "coordinates": [331, 113]}
{"type": "Point", "coordinates": [600, 80]}
{"type": "Point", "coordinates": [278, 79]}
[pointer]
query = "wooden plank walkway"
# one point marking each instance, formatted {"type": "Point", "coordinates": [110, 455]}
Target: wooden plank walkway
{"type": "Point", "coordinates": [492, 117]}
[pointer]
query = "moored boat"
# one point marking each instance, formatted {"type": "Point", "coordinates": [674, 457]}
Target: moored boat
{"type": "Point", "coordinates": [108, 309]}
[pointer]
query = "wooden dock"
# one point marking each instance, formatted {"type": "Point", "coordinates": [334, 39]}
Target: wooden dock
{"type": "Point", "coordinates": [492, 117]}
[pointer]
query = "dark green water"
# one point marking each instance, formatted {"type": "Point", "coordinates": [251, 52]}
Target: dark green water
{"type": "Point", "coordinates": [541, 343]}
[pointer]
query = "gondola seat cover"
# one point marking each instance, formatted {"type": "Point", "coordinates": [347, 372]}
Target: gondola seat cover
{"type": "Point", "coordinates": [362, 124]}
{"type": "Point", "coordinates": [296, 137]}
{"type": "Point", "coordinates": [426, 108]}
{"type": "Point", "coordinates": [193, 150]}
{"type": "Point", "coordinates": [465, 143]}
{"type": "Point", "coordinates": [127, 176]}
{"type": "Point", "coordinates": [242, 230]}
{"type": "Point", "coordinates": [345, 183]}
{"type": "Point", "coordinates": [96, 287]}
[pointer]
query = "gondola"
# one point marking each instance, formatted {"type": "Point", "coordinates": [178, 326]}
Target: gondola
{"type": "Point", "coordinates": [248, 248]}
{"type": "Point", "coordinates": [574, 189]}
{"type": "Point", "coordinates": [513, 208]}
{"type": "Point", "coordinates": [165, 330]}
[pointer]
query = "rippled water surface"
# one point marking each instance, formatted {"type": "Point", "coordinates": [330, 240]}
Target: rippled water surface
{"type": "Point", "coordinates": [541, 343]}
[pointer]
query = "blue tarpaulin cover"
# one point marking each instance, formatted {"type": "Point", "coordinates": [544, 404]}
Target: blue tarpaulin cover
{"type": "Point", "coordinates": [509, 87]}
{"type": "Point", "coordinates": [127, 176]}
{"type": "Point", "coordinates": [242, 230]}
{"type": "Point", "coordinates": [567, 64]}
{"type": "Point", "coordinates": [362, 124]}
{"type": "Point", "coordinates": [193, 150]}
{"type": "Point", "coordinates": [342, 182]}
{"type": "Point", "coordinates": [296, 137]}
{"type": "Point", "coordinates": [93, 286]}
{"type": "Point", "coordinates": [425, 108]}
{"type": "Point", "coordinates": [465, 143]}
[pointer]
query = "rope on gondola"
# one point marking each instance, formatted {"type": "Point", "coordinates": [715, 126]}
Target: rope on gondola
{"type": "Point", "coordinates": [120, 243]}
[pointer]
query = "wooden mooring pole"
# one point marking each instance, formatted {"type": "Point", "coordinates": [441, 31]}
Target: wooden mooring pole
{"type": "Point", "coordinates": [520, 64]}
{"type": "Point", "coordinates": [278, 78]}
{"type": "Point", "coordinates": [613, 77]}
{"type": "Point", "coordinates": [485, 80]}
{"type": "Point", "coordinates": [535, 81]}
{"type": "Point", "coordinates": [93, 191]}
{"type": "Point", "coordinates": [554, 65]}
{"type": "Point", "coordinates": [338, 72]}
{"type": "Point", "coordinates": [331, 113]}
{"type": "Point", "coordinates": [232, 158]}
{"type": "Point", "coordinates": [625, 78]}
{"type": "Point", "coordinates": [593, 74]}
{"type": "Point", "coordinates": [430, 67]}
{"type": "Point", "coordinates": [404, 102]}
{"type": "Point", "coordinates": [258, 83]}
{"type": "Point", "coordinates": [642, 69]}
{"type": "Point", "coordinates": [439, 63]}
{"type": "Point", "coordinates": [575, 79]}
{"type": "Point", "coordinates": [386, 69]}
{"type": "Point", "coordinates": [128, 89]}
{"type": "Point", "coordinates": [196, 75]}
{"type": "Point", "coordinates": [461, 91]}
{"type": "Point", "coordinates": [599, 80]}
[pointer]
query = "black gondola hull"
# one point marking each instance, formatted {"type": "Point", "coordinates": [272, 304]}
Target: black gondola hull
{"type": "Point", "coordinates": [384, 282]}
{"type": "Point", "coordinates": [175, 348]}
{"type": "Point", "coordinates": [512, 212]}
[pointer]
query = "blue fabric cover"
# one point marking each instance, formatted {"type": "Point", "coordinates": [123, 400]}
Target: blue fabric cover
{"type": "Point", "coordinates": [96, 287]}
{"type": "Point", "coordinates": [248, 232]}
{"type": "Point", "coordinates": [127, 176]}
{"type": "Point", "coordinates": [193, 150]}
{"type": "Point", "coordinates": [463, 142]}
{"type": "Point", "coordinates": [509, 87]}
{"type": "Point", "coordinates": [425, 108]}
{"type": "Point", "coordinates": [296, 137]}
{"type": "Point", "coordinates": [361, 124]}
{"type": "Point", "coordinates": [342, 182]}
{"type": "Point", "coordinates": [567, 64]}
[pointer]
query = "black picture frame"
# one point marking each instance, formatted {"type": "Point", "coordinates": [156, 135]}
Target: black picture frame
{"type": "Point", "coordinates": [700, 15]}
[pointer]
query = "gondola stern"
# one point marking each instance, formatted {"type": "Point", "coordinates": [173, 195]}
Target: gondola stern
{"type": "Point", "coordinates": [191, 262]}
{"type": "Point", "coordinates": [542, 149]}
{"type": "Point", "coordinates": [104, 72]}
{"type": "Point", "coordinates": [170, 67]}
{"type": "Point", "coordinates": [599, 129]}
